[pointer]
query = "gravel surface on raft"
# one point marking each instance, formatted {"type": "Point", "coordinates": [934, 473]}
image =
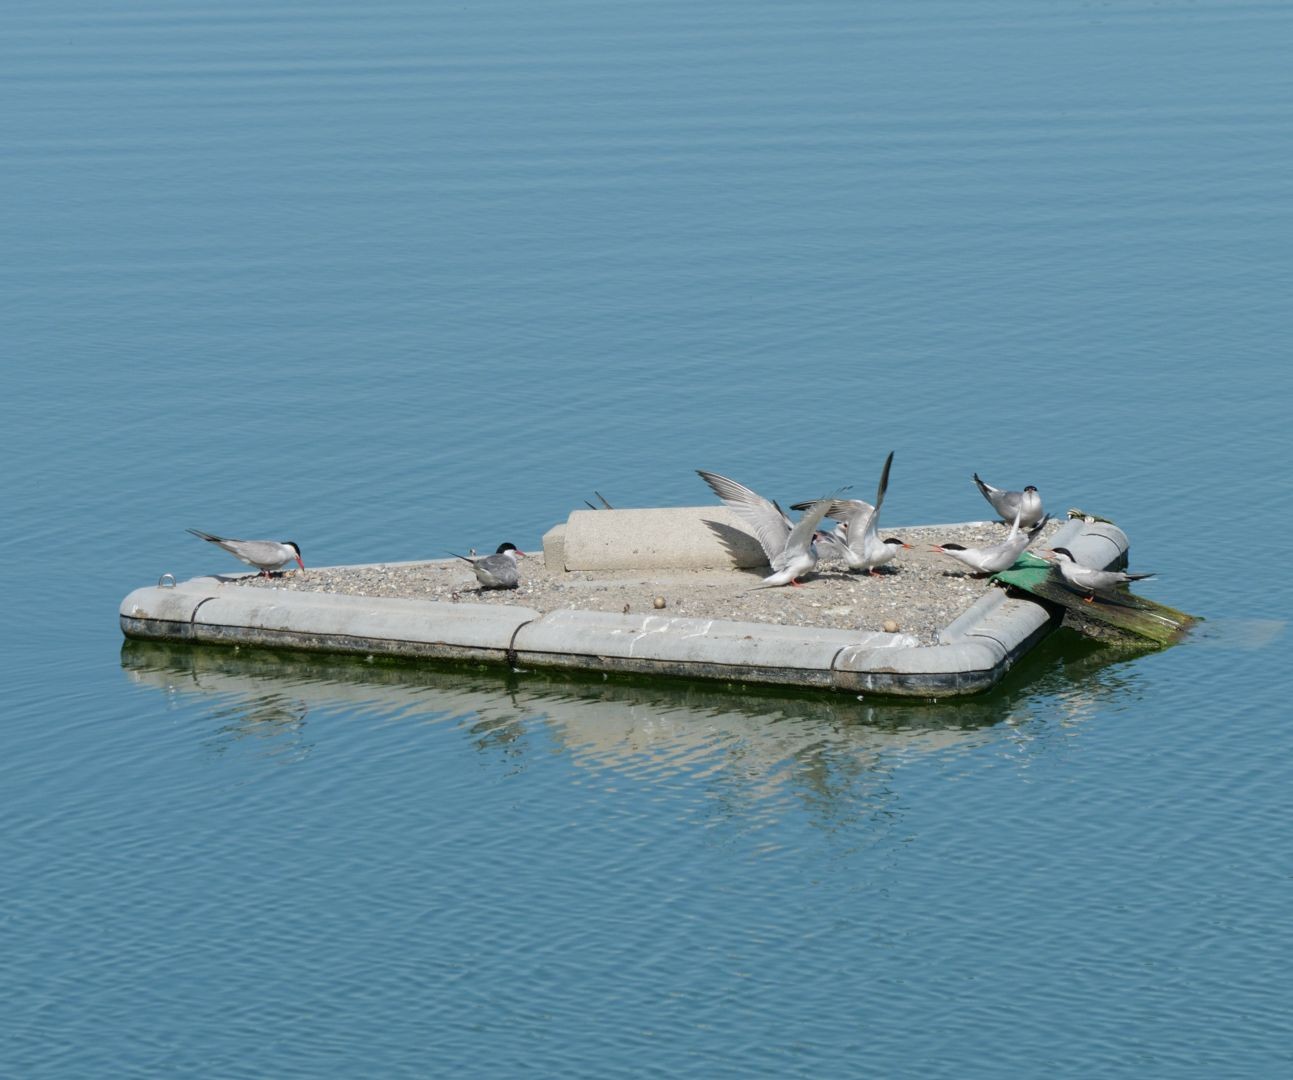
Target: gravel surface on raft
{"type": "Point", "coordinates": [918, 593]}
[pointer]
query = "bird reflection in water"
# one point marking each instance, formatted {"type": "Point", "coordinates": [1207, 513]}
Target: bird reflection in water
{"type": "Point", "coordinates": [275, 721]}
{"type": "Point", "coordinates": [253, 710]}
{"type": "Point", "coordinates": [506, 737]}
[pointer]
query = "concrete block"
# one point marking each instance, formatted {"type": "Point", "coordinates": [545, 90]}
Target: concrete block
{"type": "Point", "coordinates": [680, 536]}
{"type": "Point", "coordinates": [554, 548]}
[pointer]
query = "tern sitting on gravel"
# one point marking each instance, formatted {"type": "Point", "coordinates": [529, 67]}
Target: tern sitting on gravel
{"type": "Point", "coordinates": [996, 557]}
{"type": "Point", "coordinates": [497, 571]}
{"type": "Point", "coordinates": [1088, 579]}
{"type": "Point", "coordinates": [857, 540]}
{"type": "Point", "coordinates": [789, 545]}
{"type": "Point", "coordinates": [1027, 503]}
{"type": "Point", "coordinates": [264, 555]}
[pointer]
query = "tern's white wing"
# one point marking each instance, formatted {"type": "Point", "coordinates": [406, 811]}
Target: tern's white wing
{"type": "Point", "coordinates": [799, 542]}
{"type": "Point", "coordinates": [1014, 527]}
{"type": "Point", "coordinates": [858, 517]}
{"type": "Point", "coordinates": [851, 513]}
{"type": "Point", "coordinates": [264, 554]}
{"type": "Point", "coordinates": [883, 486]}
{"type": "Point", "coordinates": [762, 515]}
{"type": "Point", "coordinates": [259, 552]}
{"type": "Point", "coordinates": [497, 571]}
{"type": "Point", "coordinates": [999, 500]}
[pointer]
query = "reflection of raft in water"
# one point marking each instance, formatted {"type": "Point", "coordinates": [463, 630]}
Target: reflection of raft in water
{"type": "Point", "coordinates": [973, 651]}
{"type": "Point", "coordinates": [269, 694]}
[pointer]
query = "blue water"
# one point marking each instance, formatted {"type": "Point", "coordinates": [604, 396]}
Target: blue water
{"type": "Point", "coordinates": [398, 277]}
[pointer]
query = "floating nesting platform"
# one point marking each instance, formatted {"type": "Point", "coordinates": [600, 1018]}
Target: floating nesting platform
{"type": "Point", "coordinates": [665, 592]}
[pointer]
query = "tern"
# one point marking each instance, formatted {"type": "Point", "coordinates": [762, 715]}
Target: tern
{"type": "Point", "coordinates": [1088, 579]}
{"type": "Point", "coordinates": [265, 555]}
{"type": "Point", "coordinates": [996, 557]}
{"type": "Point", "coordinates": [1005, 503]}
{"type": "Point", "coordinates": [788, 545]}
{"type": "Point", "coordinates": [497, 571]}
{"type": "Point", "coordinates": [857, 540]}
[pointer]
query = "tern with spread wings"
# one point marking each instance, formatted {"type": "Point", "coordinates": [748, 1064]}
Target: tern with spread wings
{"type": "Point", "coordinates": [857, 540]}
{"type": "Point", "coordinates": [789, 545]}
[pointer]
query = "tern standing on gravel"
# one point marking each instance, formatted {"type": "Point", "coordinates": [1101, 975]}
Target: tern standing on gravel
{"type": "Point", "coordinates": [1027, 503]}
{"type": "Point", "coordinates": [265, 555]}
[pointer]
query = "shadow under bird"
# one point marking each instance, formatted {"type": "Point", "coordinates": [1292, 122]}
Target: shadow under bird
{"type": "Point", "coordinates": [1088, 579]}
{"type": "Point", "coordinates": [857, 540]}
{"type": "Point", "coordinates": [1027, 503]}
{"type": "Point", "coordinates": [995, 557]}
{"type": "Point", "coordinates": [497, 571]}
{"type": "Point", "coordinates": [265, 555]}
{"type": "Point", "coordinates": [789, 545]}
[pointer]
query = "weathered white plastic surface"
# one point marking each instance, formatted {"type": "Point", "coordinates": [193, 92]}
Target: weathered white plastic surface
{"type": "Point", "coordinates": [204, 611]}
{"type": "Point", "coordinates": [973, 652]}
{"type": "Point", "coordinates": [755, 652]}
{"type": "Point", "coordinates": [973, 658]}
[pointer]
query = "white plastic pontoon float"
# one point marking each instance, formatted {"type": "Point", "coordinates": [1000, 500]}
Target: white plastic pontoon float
{"type": "Point", "coordinates": [972, 653]}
